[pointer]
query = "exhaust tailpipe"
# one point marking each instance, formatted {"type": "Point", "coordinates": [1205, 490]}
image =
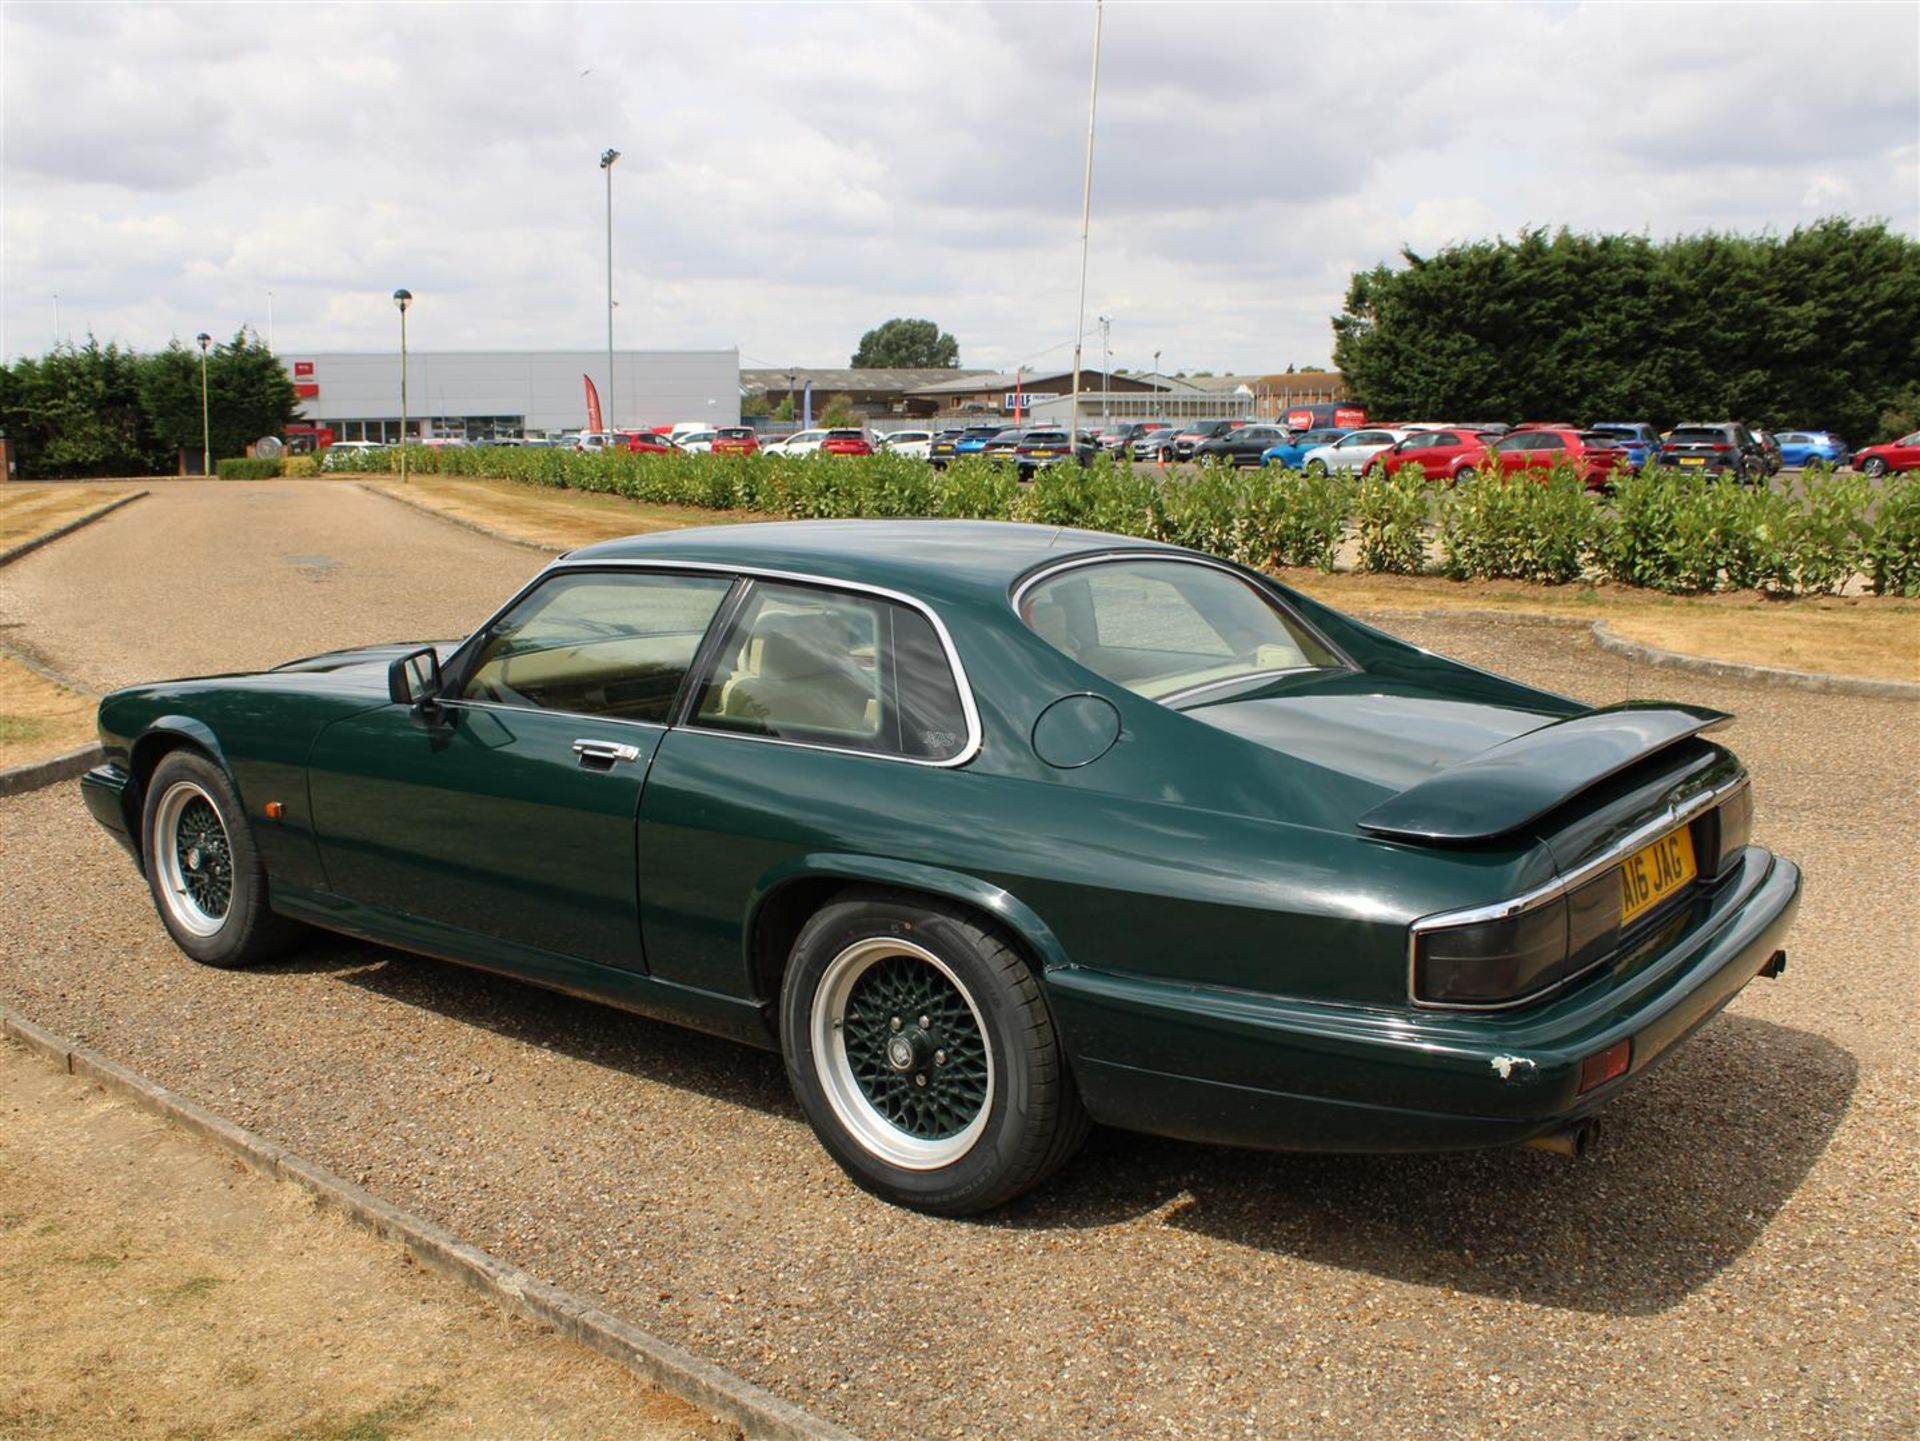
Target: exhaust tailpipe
{"type": "Point", "coordinates": [1575, 1141]}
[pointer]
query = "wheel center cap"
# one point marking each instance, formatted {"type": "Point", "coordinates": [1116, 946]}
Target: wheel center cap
{"type": "Point", "coordinates": [900, 1053]}
{"type": "Point", "coordinates": [194, 859]}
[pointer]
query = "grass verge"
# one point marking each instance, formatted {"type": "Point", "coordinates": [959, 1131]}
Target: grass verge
{"type": "Point", "coordinates": [29, 511]}
{"type": "Point", "coordinates": [39, 718]}
{"type": "Point", "coordinates": [544, 516]}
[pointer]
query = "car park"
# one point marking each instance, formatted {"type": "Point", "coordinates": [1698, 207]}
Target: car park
{"type": "Point", "coordinates": [1811, 447]}
{"type": "Point", "coordinates": [1598, 459]}
{"type": "Point", "coordinates": [1878, 460]}
{"type": "Point", "coordinates": [1437, 454]}
{"type": "Point", "coordinates": [1242, 446]}
{"type": "Point", "coordinates": [1350, 452]}
{"type": "Point", "coordinates": [1292, 452]}
{"type": "Point", "coordinates": [950, 445]}
{"type": "Point", "coordinates": [990, 831]}
{"type": "Point", "coordinates": [1720, 448]}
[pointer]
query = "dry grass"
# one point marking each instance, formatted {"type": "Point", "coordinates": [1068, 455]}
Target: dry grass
{"type": "Point", "coordinates": [38, 717]}
{"type": "Point", "coordinates": [1838, 635]}
{"type": "Point", "coordinates": [150, 1288]}
{"type": "Point", "coordinates": [560, 518]}
{"type": "Point", "coordinates": [27, 511]}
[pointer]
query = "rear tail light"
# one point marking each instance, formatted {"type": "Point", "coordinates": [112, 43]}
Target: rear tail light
{"type": "Point", "coordinates": [1498, 962]}
{"type": "Point", "coordinates": [1604, 1066]}
{"type": "Point", "coordinates": [1734, 820]}
{"type": "Point", "coordinates": [1721, 449]}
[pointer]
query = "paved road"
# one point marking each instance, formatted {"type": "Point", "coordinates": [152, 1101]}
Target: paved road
{"type": "Point", "coordinates": [206, 576]}
{"type": "Point", "coordinates": [1736, 1259]}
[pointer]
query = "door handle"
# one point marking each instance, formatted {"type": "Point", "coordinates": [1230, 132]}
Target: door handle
{"type": "Point", "coordinates": [604, 753]}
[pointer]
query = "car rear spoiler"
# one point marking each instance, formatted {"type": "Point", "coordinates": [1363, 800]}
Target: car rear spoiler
{"type": "Point", "coordinates": [1518, 781]}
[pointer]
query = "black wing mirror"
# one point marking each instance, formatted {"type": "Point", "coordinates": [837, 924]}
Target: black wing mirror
{"type": "Point", "coordinates": [414, 679]}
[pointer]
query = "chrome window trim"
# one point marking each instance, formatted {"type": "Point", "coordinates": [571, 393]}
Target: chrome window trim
{"type": "Point", "coordinates": [701, 567]}
{"type": "Point", "coordinates": [1674, 817]}
{"type": "Point", "coordinates": [1176, 556]}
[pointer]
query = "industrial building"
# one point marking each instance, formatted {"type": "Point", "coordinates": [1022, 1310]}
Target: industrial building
{"type": "Point", "coordinates": [481, 395]}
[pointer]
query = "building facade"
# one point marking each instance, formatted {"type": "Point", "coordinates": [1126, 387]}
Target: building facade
{"type": "Point", "coordinates": [481, 395]}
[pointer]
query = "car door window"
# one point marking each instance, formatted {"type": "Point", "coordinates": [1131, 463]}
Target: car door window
{"type": "Point", "coordinates": [600, 643]}
{"type": "Point", "coordinates": [831, 668]}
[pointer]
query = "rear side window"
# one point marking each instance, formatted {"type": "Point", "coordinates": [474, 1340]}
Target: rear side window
{"type": "Point", "coordinates": [836, 669]}
{"type": "Point", "coordinates": [1163, 628]}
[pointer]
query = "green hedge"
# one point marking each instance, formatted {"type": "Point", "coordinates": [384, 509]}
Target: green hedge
{"type": "Point", "coordinates": [247, 467]}
{"type": "Point", "coordinates": [1664, 530]}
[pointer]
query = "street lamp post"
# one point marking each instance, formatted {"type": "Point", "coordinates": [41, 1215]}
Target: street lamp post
{"type": "Point", "coordinates": [606, 163]}
{"type": "Point", "coordinates": [206, 412]}
{"type": "Point", "coordinates": [1086, 212]}
{"type": "Point", "coordinates": [403, 298]}
{"type": "Point", "coordinates": [1106, 361]}
{"type": "Point", "coordinates": [792, 375]}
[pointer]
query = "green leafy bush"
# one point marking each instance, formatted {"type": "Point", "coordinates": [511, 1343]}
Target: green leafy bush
{"type": "Point", "coordinates": [247, 467]}
{"type": "Point", "coordinates": [1533, 527]}
{"type": "Point", "coordinates": [1893, 549]}
{"type": "Point", "coordinates": [1831, 537]}
{"type": "Point", "coordinates": [1659, 532]}
{"type": "Point", "coordinates": [299, 465]}
{"type": "Point", "coordinates": [1392, 514]}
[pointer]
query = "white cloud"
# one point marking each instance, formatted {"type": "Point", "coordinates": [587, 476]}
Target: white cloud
{"type": "Point", "coordinates": [792, 175]}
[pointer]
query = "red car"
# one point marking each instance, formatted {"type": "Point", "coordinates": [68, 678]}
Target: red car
{"type": "Point", "coordinates": [736, 440]}
{"type": "Point", "coordinates": [846, 442]}
{"type": "Point", "coordinates": [1440, 454]}
{"type": "Point", "coordinates": [1599, 458]}
{"type": "Point", "coordinates": [644, 442]}
{"type": "Point", "coordinates": [1901, 454]}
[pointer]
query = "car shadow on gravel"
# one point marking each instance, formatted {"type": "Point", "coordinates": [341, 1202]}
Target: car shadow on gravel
{"type": "Point", "coordinates": [1693, 1164]}
{"type": "Point", "coordinates": [588, 1031]}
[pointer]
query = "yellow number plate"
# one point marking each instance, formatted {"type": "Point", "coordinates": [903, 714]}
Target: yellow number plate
{"type": "Point", "coordinates": [1655, 872]}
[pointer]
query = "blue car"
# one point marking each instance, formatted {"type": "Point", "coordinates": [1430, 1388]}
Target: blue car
{"type": "Point", "coordinates": [1805, 447]}
{"type": "Point", "coordinates": [1290, 454]}
{"type": "Point", "coordinates": [1642, 441]}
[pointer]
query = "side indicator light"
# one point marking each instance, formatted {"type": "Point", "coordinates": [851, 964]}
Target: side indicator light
{"type": "Point", "coordinates": [275, 810]}
{"type": "Point", "coordinates": [1603, 1066]}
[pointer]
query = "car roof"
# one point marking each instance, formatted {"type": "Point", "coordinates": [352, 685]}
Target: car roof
{"type": "Point", "coordinates": [966, 560]}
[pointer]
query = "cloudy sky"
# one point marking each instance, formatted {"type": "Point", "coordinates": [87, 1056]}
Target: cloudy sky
{"type": "Point", "coordinates": [794, 174]}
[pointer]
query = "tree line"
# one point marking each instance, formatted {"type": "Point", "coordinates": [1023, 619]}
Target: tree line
{"type": "Point", "coordinates": [1818, 329]}
{"type": "Point", "coordinates": [95, 409]}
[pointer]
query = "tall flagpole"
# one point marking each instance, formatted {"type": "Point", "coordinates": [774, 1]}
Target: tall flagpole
{"type": "Point", "coordinates": [1086, 211]}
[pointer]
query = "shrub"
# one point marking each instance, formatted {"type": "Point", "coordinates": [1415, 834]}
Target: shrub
{"type": "Point", "coordinates": [247, 467]}
{"type": "Point", "coordinates": [1893, 547]}
{"type": "Point", "coordinates": [1659, 534]}
{"type": "Point", "coordinates": [1830, 539]}
{"type": "Point", "coordinates": [1392, 515]}
{"type": "Point", "coordinates": [299, 465]}
{"type": "Point", "coordinates": [1537, 528]}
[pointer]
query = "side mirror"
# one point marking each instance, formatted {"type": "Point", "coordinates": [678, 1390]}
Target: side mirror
{"type": "Point", "coordinates": [414, 679]}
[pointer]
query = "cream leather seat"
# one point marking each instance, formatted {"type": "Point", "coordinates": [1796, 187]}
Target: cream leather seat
{"type": "Point", "coordinates": [806, 678]}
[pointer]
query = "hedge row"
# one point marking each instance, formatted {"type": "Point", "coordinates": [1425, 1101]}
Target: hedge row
{"type": "Point", "coordinates": [1665, 530]}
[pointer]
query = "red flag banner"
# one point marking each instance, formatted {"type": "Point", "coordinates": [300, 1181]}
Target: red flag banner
{"type": "Point", "coordinates": [593, 404]}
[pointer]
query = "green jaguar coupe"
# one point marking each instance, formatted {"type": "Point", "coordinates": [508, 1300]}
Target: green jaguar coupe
{"type": "Point", "coordinates": [993, 831]}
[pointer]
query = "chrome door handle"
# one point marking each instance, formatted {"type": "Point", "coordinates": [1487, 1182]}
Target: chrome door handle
{"type": "Point", "coordinates": [604, 752]}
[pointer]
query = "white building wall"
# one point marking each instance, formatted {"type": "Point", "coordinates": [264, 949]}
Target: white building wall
{"type": "Point", "coordinates": [651, 387]}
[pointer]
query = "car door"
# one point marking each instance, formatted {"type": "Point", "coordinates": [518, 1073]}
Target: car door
{"type": "Point", "coordinates": [1515, 452]}
{"type": "Point", "coordinates": [509, 809]}
{"type": "Point", "coordinates": [829, 719]}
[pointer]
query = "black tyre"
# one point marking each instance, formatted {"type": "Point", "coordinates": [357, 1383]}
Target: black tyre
{"type": "Point", "coordinates": [1316, 467]}
{"type": "Point", "coordinates": [1874, 467]}
{"type": "Point", "coordinates": [921, 1048]}
{"type": "Point", "coordinates": [203, 869]}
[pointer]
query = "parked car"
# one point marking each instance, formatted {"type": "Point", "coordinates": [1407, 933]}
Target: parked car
{"type": "Point", "coordinates": [1189, 437]}
{"type": "Point", "coordinates": [1901, 454]}
{"type": "Point", "coordinates": [1040, 449]}
{"type": "Point", "coordinates": [845, 442]}
{"type": "Point", "coordinates": [914, 444]}
{"type": "Point", "coordinates": [1721, 448]}
{"type": "Point", "coordinates": [1438, 454]}
{"type": "Point", "coordinates": [1002, 443]}
{"type": "Point", "coordinates": [1292, 452]}
{"type": "Point", "coordinates": [695, 442]}
{"type": "Point", "coordinates": [1599, 459]}
{"type": "Point", "coordinates": [1769, 449]}
{"type": "Point", "coordinates": [801, 442]}
{"type": "Point", "coordinates": [1807, 447]}
{"type": "Point", "coordinates": [951, 444]}
{"type": "Point", "coordinates": [1350, 452]}
{"type": "Point", "coordinates": [1243, 446]}
{"type": "Point", "coordinates": [735, 440]}
{"type": "Point", "coordinates": [1124, 437]}
{"type": "Point", "coordinates": [1640, 440]}
{"type": "Point", "coordinates": [874, 779]}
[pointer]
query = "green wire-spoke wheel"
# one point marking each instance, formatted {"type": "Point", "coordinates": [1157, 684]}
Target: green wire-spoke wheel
{"type": "Point", "coordinates": [195, 858]}
{"type": "Point", "coordinates": [921, 1046]}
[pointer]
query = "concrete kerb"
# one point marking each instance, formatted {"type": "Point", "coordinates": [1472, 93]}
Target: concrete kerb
{"type": "Point", "coordinates": [1606, 639]}
{"type": "Point", "coordinates": [26, 547]}
{"type": "Point", "coordinates": [18, 780]}
{"type": "Point", "coordinates": [759, 1413]}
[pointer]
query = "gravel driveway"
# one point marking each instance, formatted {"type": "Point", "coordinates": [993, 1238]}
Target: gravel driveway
{"type": "Point", "coordinates": [1736, 1259]}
